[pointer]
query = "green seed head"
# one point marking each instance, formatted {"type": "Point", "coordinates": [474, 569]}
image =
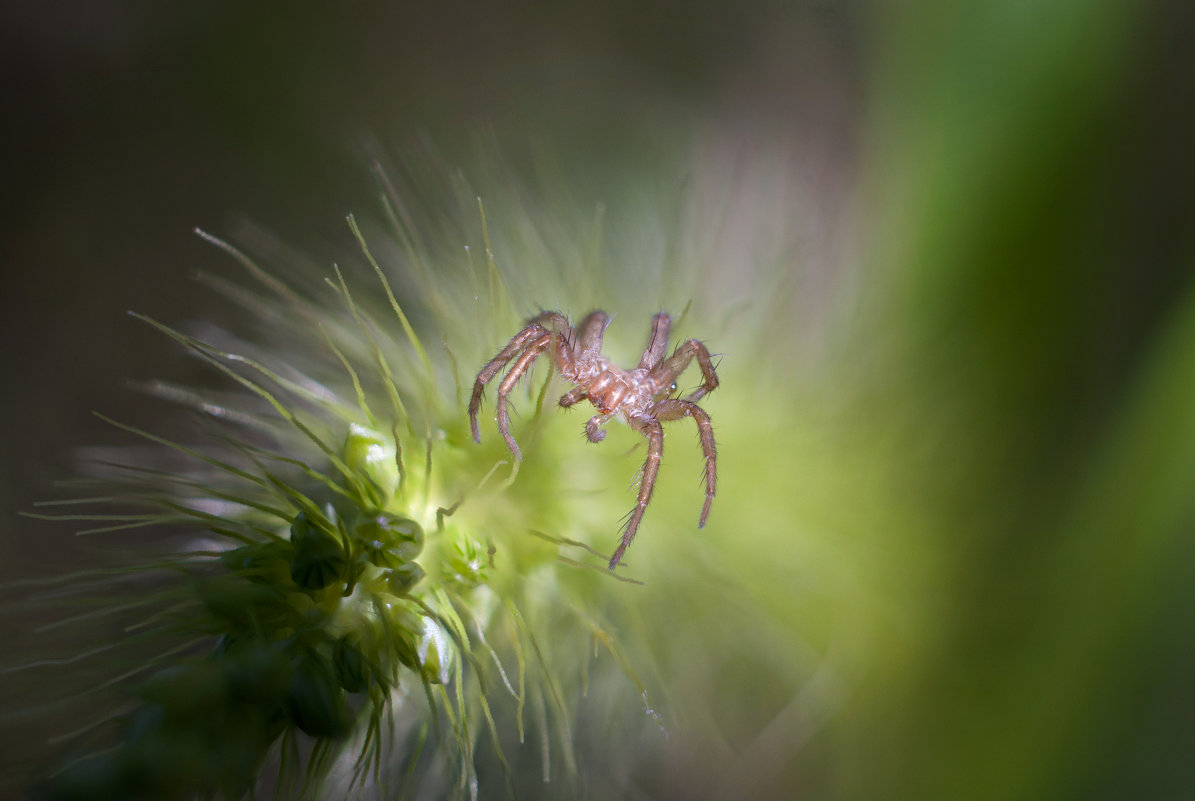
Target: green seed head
{"type": "Point", "coordinates": [388, 541]}
{"type": "Point", "coordinates": [374, 456]}
{"type": "Point", "coordinates": [316, 700]}
{"type": "Point", "coordinates": [317, 559]}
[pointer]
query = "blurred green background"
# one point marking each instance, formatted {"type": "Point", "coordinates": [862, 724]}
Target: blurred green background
{"type": "Point", "coordinates": [957, 542]}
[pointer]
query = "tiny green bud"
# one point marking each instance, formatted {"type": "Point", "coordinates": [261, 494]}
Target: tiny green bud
{"type": "Point", "coordinates": [187, 692]}
{"type": "Point", "coordinates": [388, 540]}
{"type": "Point", "coordinates": [436, 652]}
{"type": "Point", "coordinates": [257, 672]}
{"type": "Point", "coordinates": [372, 454]}
{"type": "Point", "coordinates": [402, 579]}
{"type": "Point", "coordinates": [265, 562]}
{"type": "Point", "coordinates": [404, 627]}
{"type": "Point", "coordinates": [316, 703]}
{"type": "Point", "coordinates": [245, 606]}
{"type": "Point", "coordinates": [467, 565]}
{"type": "Point", "coordinates": [317, 559]}
{"type": "Point", "coordinates": [351, 666]}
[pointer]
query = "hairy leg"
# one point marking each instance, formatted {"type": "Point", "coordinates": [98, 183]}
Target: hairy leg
{"type": "Point", "coordinates": [651, 469]}
{"type": "Point", "coordinates": [554, 321]}
{"type": "Point", "coordinates": [671, 368]}
{"type": "Point", "coordinates": [672, 409]}
{"type": "Point", "coordinates": [564, 349]}
{"type": "Point", "coordinates": [516, 372]}
{"type": "Point", "coordinates": [657, 345]}
{"type": "Point", "coordinates": [520, 341]}
{"type": "Point", "coordinates": [590, 332]}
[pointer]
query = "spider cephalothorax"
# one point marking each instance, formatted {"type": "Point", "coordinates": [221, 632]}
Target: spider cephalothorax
{"type": "Point", "coordinates": [641, 395]}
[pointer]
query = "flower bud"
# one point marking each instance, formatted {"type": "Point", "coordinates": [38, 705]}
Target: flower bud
{"type": "Point", "coordinates": [372, 454]}
{"type": "Point", "coordinates": [318, 560]}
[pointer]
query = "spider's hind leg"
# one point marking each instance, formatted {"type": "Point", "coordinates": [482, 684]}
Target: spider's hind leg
{"type": "Point", "coordinates": [651, 469]}
{"type": "Point", "coordinates": [673, 409]}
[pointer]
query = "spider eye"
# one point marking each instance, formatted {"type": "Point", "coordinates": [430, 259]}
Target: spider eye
{"type": "Point", "coordinates": [672, 387]}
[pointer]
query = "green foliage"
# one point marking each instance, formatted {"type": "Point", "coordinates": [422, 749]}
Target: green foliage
{"type": "Point", "coordinates": [949, 556]}
{"type": "Point", "coordinates": [327, 617]}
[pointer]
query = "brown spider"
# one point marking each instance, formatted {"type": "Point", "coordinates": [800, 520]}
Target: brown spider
{"type": "Point", "coordinates": [640, 395]}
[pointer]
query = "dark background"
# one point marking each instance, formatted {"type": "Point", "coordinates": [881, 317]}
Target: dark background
{"type": "Point", "coordinates": [128, 124]}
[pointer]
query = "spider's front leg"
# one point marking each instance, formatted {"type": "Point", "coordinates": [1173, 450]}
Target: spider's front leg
{"type": "Point", "coordinates": [527, 345]}
{"type": "Point", "coordinates": [504, 389]}
{"type": "Point", "coordinates": [671, 368]}
{"type": "Point", "coordinates": [519, 342]}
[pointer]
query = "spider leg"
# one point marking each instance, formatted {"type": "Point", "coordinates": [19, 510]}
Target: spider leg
{"type": "Point", "coordinates": [520, 341]}
{"type": "Point", "coordinates": [574, 395]}
{"type": "Point", "coordinates": [657, 346]}
{"type": "Point", "coordinates": [593, 429]}
{"type": "Point", "coordinates": [555, 321]}
{"type": "Point", "coordinates": [591, 330]}
{"type": "Point", "coordinates": [516, 372]}
{"type": "Point", "coordinates": [673, 409]}
{"type": "Point", "coordinates": [669, 369]}
{"type": "Point", "coordinates": [565, 346]}
{"type": "Point", "coordinates": [651, 468]}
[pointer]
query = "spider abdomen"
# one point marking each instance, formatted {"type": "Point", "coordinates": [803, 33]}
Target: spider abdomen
{"type": "Point", "coordinates": [608, 391]}
{"type": "Point", "coordinates": [615, 390]}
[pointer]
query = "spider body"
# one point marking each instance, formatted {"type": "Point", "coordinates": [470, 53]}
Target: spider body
{"type": "Point", "coordinates": [641, 396]}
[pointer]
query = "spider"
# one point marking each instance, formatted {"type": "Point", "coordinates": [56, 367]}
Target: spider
{"type": "Point", "coordinates": [642, 395]}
